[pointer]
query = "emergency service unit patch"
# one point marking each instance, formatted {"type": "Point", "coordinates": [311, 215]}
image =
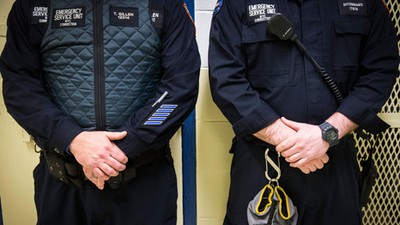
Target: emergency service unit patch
{"type": "Point", "coordinates": [261, 12]}
{"type": "Point", "coordinates": [39, 15]}
{"type": "Point", "coordinates": [353, 7]}
{"type": "Point", "coordinates": [218, 6]}
{"type": "Point", "coordinates": [124, 16]}
{"type": "Point", "coordinates": [188, 12]}
{"type": "Point", "coordinates": [70, 17]}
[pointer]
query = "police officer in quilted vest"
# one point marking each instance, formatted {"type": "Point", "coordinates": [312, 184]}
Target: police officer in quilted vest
{"type": "Point", "coordinates": [102, 86]}
{"type": "Point", "coordinates": [297, 77]}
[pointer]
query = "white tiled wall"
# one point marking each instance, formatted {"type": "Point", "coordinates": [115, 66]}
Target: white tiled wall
{"type": "Point", "coordinates": [203, 14]}
{"type": "Point", "coordinates": [205, 4]}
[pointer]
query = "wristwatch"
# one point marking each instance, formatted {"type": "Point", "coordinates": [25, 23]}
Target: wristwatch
{"type": "Point", "coordinates": [329, 133]}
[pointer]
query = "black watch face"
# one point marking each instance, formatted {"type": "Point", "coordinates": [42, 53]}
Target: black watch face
{"type": "Point", "coordinates": [331, 135]}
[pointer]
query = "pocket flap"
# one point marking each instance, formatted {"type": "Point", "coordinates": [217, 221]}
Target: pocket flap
{"type": "Point", "coordinates": [256, 33]}
{"type": "Point", "coordinates": [355, 25]}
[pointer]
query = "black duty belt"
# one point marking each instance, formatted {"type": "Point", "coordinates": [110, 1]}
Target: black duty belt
{"type": "Point", "coordinates": [69, 171]}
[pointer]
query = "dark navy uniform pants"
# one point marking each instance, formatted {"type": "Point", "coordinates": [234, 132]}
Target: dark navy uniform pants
{"type": "Point", "coordinates": [326, 197]}
{"type": "Point", "coordinates": [150, 199]}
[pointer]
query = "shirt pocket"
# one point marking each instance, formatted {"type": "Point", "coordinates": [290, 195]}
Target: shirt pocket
{"type": "Point", "coordinates": [347, 46]}
{"type": "Point", "coordinates": [269, 60]}
{"type": "Point", "coordinates": [349, 32]}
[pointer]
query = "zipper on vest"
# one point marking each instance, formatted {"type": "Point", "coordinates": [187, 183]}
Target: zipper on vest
{"type": "Point", "coordinates": [99, 80]}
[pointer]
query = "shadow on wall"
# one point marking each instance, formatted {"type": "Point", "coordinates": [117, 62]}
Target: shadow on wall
{"type": "Point", "coordinates": [1, 214]}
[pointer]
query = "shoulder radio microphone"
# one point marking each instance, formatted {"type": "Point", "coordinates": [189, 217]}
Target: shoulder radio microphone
{"type": "Point", "coordinates": [281, 27]}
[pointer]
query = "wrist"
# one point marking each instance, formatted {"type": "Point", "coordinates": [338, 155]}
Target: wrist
{"type": "Point", "coordinates": [275, 133]}
{"type": "Point", "coordinates": [329, 133]}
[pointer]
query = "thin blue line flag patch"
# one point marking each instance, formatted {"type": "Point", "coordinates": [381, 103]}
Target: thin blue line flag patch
{"type": "Point", "coordinates": [158, 117]}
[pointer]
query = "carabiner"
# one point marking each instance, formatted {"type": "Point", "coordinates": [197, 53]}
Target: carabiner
{"type": "Point", "coordinates": [276, 167]}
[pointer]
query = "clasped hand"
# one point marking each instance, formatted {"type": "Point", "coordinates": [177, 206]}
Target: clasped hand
{"type": "Point", "coordinates": [300, 144]}
{"type": "Point", "coordinates": [305, 149]}
{"type": "Point", "coordinates": [98, 155]}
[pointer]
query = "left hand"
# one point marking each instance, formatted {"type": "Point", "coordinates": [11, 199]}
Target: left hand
{"type": "Point", "coordinates": [315, 164]}
{"type": "Point", "coordinates": [98, 155]}
{"type": "Point", "coordinates": [303, 147]}
{"type": "Point", "coordinates": [96, 180]}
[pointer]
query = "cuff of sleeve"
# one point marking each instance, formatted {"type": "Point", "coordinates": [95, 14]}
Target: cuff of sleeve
{"type": "Point", "coordinates": [132, 145]}
{"type": "Point", "coordinates": [257, 120]}
{"type": "Point", "coordinates": [361, 114]}
{"type": "Point", "coordinates": [63, 136]}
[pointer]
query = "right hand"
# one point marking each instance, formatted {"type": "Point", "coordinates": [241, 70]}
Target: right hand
{"type": "Point", "coordinates": [98, 155]}
{"type": "Point", "coordinates": [277, 132]}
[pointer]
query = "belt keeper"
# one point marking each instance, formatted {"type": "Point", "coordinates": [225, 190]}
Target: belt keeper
{"type": "Point", "coordinates": [115, 182]}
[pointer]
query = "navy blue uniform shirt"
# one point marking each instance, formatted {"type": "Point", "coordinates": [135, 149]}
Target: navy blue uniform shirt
{"type": "Point", "coordinates": [28, 102]}
{"type": "Point", "coordinates": [256, 78]}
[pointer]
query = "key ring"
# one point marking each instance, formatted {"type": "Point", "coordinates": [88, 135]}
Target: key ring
{"type": "Point", "coordinates": [276, 167]}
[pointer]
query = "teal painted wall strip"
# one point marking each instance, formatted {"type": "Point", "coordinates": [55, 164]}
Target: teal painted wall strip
{"type": "Point", "coordinates": [189, 159]}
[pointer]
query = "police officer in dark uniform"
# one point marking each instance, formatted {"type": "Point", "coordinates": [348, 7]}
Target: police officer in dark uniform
{"type": "Point", "coordinates": [274, 97]}
{"type": "Point", "coordinates": [102, 86]}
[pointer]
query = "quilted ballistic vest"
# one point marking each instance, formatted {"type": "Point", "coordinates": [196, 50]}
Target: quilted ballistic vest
{"type": "Point", "coordinates": [101, 59]}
